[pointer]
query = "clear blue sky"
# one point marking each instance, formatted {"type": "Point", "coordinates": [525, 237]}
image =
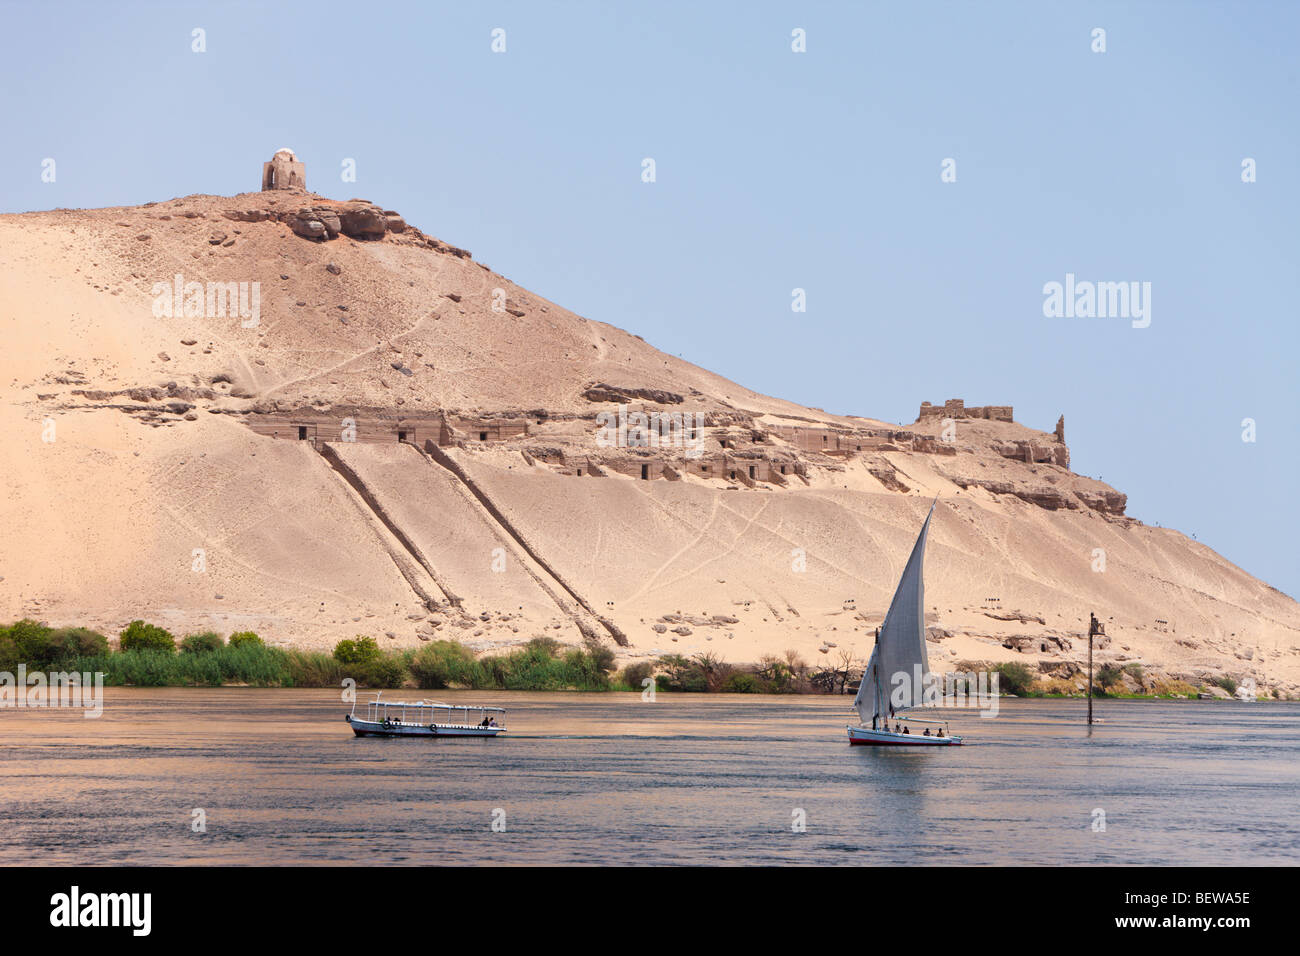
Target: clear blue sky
{"type": "Point", "coordinates": [778, 170]}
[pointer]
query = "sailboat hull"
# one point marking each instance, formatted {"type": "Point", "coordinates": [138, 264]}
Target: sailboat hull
{"type": "Point", "coordinates": [865, 736]}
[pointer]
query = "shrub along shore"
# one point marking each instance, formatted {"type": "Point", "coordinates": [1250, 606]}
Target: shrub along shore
{"type": "Point", "coordinates": [150, 656]}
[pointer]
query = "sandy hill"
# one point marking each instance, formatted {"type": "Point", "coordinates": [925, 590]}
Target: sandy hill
{"type": "Point", "coordinates": [393, 439]}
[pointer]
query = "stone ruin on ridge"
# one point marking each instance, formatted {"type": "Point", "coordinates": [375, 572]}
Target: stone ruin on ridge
{"type": "Point", "coordinates": [283, 172]}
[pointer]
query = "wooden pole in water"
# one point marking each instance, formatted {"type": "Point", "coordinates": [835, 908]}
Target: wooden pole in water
{"type": "Point", "coordinates": [1092, 629]}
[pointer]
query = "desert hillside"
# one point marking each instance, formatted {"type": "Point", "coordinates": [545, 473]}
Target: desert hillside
{"type": "Point", "coordinates": [391, 438]}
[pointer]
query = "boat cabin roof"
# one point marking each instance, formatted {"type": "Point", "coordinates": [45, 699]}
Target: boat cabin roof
{"type": "Point", "coordinates": [481, 708]}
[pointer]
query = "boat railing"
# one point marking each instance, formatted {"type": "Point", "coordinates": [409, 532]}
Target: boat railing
{"type": "Point", "coordinates": [900, 721]}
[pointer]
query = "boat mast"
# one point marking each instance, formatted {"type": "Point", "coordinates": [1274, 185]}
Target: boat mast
{"type": "Point", "coordinates": [875, 674]}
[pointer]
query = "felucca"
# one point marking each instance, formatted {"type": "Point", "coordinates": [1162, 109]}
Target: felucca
{"type": "Point", "coordinates": [889, 684]}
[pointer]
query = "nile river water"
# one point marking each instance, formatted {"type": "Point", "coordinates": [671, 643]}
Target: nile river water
{"type": "Point", "coordinates": [608, 778]}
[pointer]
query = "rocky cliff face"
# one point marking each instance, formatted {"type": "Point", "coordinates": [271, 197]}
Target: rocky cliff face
{"type": "Point", "coordinates": [360, 428]}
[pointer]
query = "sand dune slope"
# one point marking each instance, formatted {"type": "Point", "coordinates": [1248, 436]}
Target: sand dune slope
{"type": "Point", "coordinates": [134, 485]}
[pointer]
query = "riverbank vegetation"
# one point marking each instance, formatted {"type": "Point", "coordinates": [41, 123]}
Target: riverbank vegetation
{"type": "Point", "coordinates": [1109, 680]}
{"type": "Point", "coordinates": [150, 656]}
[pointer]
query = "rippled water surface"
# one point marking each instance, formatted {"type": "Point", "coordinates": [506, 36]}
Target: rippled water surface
{"type": "Point", "coordinates": [607, 778]}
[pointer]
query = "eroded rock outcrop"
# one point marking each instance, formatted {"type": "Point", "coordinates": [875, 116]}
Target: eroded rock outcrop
{"type": "Point", "coordinates": [601, 392]}
{"type": "Point", "coordinates": [364, 221]}
{"type": "Point", "coordinates": [324, 221]}
{"type": "Point", "coordinates": [314, 222]}
{"type": "Point", "coordinates": [1034, 452]}
{"type": "Point", "coordinates": [1106, 500]}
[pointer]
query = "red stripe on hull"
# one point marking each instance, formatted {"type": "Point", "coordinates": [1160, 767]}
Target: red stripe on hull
{"type": "Point", "coordinates": [855, 742]}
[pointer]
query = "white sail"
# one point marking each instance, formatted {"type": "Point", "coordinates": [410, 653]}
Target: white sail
{"type": "Point", "coordinates": [889, 682]}
{"type": "Point", "coordinates": [867, 702]}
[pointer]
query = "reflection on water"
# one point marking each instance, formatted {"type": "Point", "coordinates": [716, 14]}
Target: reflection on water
{"type": "Point", "coordinates": [607, 778]}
